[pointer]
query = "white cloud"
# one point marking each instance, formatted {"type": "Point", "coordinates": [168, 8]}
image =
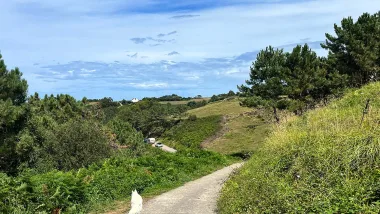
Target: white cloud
{"type": "Point", "coordinates": [84, 70]}
{"type": "Point", "coordinates": [150, 85]}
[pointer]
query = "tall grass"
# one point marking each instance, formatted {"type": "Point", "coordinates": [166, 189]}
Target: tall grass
{"type": "Point", "coordinates": [324, 162]}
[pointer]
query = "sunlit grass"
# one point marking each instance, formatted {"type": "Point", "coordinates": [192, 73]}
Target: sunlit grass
{"type": "Point", "coordinates": [243, 134]}
{"type": "Point", "coordinates": [228, 107]}
{"type": "Point", "coordinates": [323, 162]}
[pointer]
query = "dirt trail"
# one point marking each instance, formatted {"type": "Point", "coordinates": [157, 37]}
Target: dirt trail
{"type": "Point", "coordinates": [219, 134]}
{"type": "Point", "coordinates": [195, 197]}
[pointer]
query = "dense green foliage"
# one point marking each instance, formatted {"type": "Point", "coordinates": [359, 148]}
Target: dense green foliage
{"type": "Point", "coordinates": [324, 162]}
{"type": "Point", "coordinates": [12, 86]}
{"type": "Point", "coordinates": [173, 97]}
{"type": "Point", "coordinates": [296, 81]}
{"type": "Point", "coordinates": [59, 133]}
{"type": "Point", "coordinates": [268, 77]}
{"type": "Point", "coordinates": [192, 132]}
{"type": "Point", "coordinates": [150, 117]}
{"type": "Point", "coordinates": [56, 132]}
{"type": "Point", "coordinates": [355, 50]}
{"type": "Point", "coordinates": [126, 134]}
{"type": "Point", "coordinates": [218, 97]}
{"type": "Point", "coordinates": [80, 191]}
{"type": "Point", "coordinates": [195, 104]}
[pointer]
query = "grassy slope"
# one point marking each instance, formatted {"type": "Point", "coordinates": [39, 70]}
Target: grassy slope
{"type": "Point", "coordinates": [230, 107]}
{"type": "Point", "coordinates": [323, 162]}
{"type": "Point", "coordinates": [184, 102]}
{"type": "Point", "coordinates": [191, 134]}
{"type": "Point", "coordinates": [242, 132]}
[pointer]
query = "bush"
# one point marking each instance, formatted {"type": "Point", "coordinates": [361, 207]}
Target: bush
{"type": "Point", "coordinates": [192, 117]}
{"type": "Point", "coordinates": [253, 101]}
{"type": "Point", "coordinates": [80, 143]}
{"type": "Point", "coordinates": [126, 134]}
{"type": "Point", "coordinates": [110, 113]}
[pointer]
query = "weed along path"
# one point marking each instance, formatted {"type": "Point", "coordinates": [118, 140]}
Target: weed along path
{"type": "Point", "coordinates": [195, 197]}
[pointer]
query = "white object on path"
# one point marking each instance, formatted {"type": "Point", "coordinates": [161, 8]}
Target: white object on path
{"type": "Point", "coordinates": [136, 203]}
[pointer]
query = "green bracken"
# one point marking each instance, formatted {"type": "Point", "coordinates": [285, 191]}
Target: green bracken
{"type": "Point", "coordinates": [83, 190]}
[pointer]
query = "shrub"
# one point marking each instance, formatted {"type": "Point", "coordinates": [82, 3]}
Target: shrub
{"type": "Point", "coordinates": [192, 117]}
{"type": "Point", "coordinates": [80, 143]}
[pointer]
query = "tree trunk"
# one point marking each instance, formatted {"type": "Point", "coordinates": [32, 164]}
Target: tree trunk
{"type": "Point", "coordinates": [275, 115]}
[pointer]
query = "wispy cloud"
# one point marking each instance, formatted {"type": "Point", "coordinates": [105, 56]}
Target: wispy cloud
{"type": "Point", "coordinates": [138, 40]}
{"type": "Point", "coordinates": [143, 40]}
{"type": "Point", "coordinates": [171, 33]}
{"type": "Point", "coordinates": [183, 16]}
{"type": "Point", "coordinates": [173, 53]}
{"type": "Point", "coordinates": [167, 34]}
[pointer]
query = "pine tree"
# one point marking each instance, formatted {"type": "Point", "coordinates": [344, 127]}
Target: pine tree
{"type": "Point", "coordinates": [13, 91]}
{"type": "Point", "coordinates": [305, 74]}
{"type": "Point", "coordinates": [355, 50]}
{"type": "Point", "coordinates": [267, 77]}
{"type": "Point", "coordinates": [12, 86]}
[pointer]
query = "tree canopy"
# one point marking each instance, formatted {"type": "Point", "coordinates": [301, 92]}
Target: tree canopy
{"type": "Point", "coordinates": [355, 49]}
{"type": "Point", "coordinates": [12, 86]}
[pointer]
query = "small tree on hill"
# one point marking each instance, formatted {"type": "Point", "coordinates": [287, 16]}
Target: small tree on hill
{"type": "Point", "coordinates": [303, 73]}
{"type": "Point", "coordinates": [267, 77]}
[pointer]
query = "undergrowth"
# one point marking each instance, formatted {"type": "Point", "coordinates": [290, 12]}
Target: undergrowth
{"type": "Point", "coordinates": [324, 162]}
{"type": "Point", "coordinates": [83, 190]}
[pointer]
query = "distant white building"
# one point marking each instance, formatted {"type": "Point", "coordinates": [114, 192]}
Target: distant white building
{"type": "Point", "coordinates": [135, 100]}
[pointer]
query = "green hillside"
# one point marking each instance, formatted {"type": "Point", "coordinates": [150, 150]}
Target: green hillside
{"type": "Point", "coordinates": [243, 129]}
{"type": "Point", "coordinates": [228, 107]}
{"type": "Point", "coordinates": [323, 162]}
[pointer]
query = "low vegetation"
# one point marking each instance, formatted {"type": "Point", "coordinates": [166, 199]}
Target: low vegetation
{"type": "Point", "coordinates": [228, 107]}
{"type": "Point", "coordinates": [230, 95]}
{"type": "Point", "coordinates": [87, 188]}
{"type": "Point", "coordinates": [192, 132]}
{"type": "Point", "coordinates": [324, 162]}
{"type": "Point", "coordinates": [186, 102]}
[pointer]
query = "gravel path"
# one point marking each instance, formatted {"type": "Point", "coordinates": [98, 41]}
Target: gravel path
{"type": "Point", "coordinates": [195, 197]}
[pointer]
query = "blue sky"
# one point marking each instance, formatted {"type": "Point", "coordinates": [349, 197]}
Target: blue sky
{"type": "Point", "coordinates": [128, 48]}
